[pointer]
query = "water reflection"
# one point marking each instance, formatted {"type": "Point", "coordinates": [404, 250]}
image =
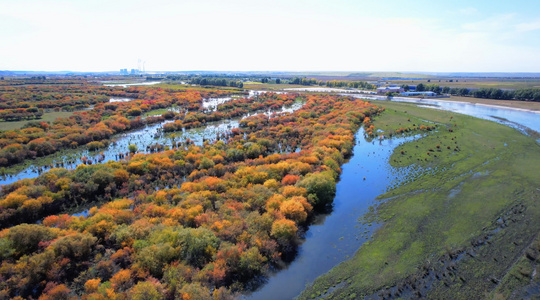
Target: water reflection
{"type": "Point", "coordinates": [143, 139]}
{"type": "Point", "coordinates": [336, 236]}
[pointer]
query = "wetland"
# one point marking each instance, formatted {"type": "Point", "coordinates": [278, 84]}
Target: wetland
{"type": "Point", "coordinates": [429, 200]}
{"type": "Point", "coordinates": [470, 174]}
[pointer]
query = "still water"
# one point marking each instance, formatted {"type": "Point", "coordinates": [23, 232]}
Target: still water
{"type": "Point", "coordinates": [144, 138]}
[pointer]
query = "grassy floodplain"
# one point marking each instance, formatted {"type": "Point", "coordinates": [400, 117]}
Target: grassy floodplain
{"type": "Point", "coordinates": [47, 117]}
{"type": "Point", "coordinates": [462, 226]}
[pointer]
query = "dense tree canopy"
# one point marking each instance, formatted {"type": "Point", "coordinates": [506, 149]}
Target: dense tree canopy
{"type": "Point", "coordinates": [527, 94]}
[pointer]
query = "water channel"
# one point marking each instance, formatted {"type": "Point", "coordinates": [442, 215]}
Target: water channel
{"type": "Point", "coordinates": [144, 137]}
{"type": "Point", "coordinates": [513, 117]}
{"type": "Point", "coordinates": [336, 236]}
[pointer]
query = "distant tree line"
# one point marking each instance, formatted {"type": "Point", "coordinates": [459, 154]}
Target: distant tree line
{"type": "Point", "coordinates": [236, 81]}
{"type": "Point", "coordinates": [528, 94]}
{"type": "Point", "coordinates": [153, 78]}
{"type": "Point", "coordinates": [304, 81]}
{"type": "Point", "coordinates": [332, 83]}
{"type": "Point", "coordinates": [233, 81]}
{"type": "Point", "coordinates": [350, 84]}
{"type": "Point", "coordinates": [217, 82]}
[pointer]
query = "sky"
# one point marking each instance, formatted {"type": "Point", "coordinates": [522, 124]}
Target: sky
{"type": "Point", "coordinates": [277, 35]}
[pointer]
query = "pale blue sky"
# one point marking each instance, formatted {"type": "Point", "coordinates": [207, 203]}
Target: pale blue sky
{"type": "Point", "coordinates": [308, 35]}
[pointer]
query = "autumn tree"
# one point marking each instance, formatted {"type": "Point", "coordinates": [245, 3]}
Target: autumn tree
{"type": "Point", "coordinates": [321, 188]}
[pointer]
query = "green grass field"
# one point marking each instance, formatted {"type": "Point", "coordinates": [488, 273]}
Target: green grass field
{"type": "Point", "coordinates": [467, 175]}
{"type": "Point", "coordinates": [47, 117]}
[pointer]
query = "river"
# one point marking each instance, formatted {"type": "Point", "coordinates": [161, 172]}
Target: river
{"type": "Point", "coordinates": [336, 236]}
{"type": "Point", "coordinates": [513, 117]}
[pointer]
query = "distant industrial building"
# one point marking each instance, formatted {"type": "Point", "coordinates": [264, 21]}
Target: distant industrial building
{"type": "Point", "coordinates": [124, 71]}
{"type": "Point", "coordinates": [391, 89]}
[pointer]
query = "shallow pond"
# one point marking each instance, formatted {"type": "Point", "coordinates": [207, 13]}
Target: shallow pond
{"type": "Point", "coordinates": [336, 236]}
{"type": "Point", "coordinates": [211, 104]}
